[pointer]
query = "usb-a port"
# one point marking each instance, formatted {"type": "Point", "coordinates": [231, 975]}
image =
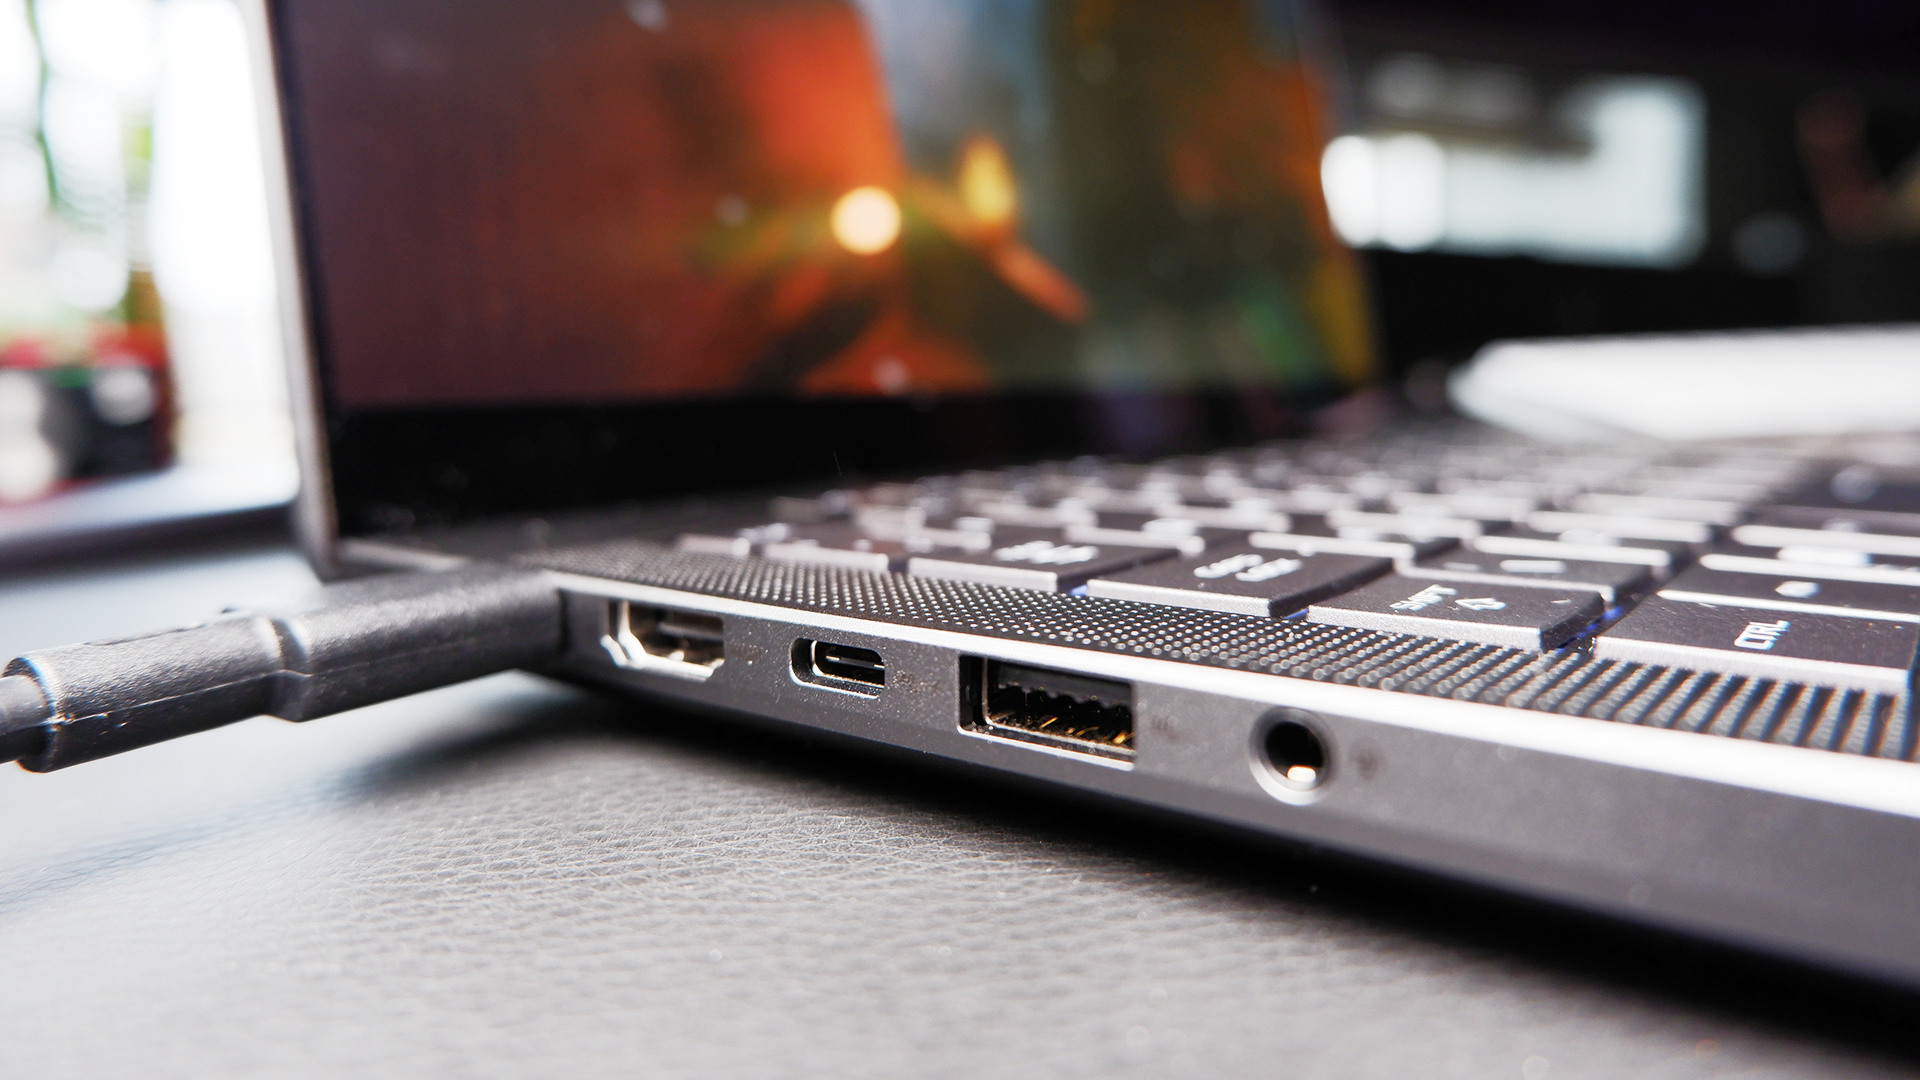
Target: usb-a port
{"type": "Point", "coordinates": [1059, 709]}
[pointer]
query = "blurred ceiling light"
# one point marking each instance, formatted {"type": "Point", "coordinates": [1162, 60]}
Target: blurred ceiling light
{"type": "Point", "coordinates": [1632, 196]}
{"type": "Point", "coordinates": [866, 220]}
{"type": "Point", "coordinates": [986, 183]}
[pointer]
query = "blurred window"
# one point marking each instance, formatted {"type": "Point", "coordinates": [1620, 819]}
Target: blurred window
{"type": "Point", "coordinates": [1470, 159]}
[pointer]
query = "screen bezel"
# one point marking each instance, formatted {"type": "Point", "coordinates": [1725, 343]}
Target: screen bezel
{"type": "Point", "coordinates": [383, 472]}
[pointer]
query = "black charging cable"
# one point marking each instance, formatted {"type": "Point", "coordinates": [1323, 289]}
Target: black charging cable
{"type": "Point", "coordinates": [351, 644]}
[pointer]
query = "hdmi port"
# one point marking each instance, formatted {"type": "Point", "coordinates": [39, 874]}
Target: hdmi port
{"type": "Point", "coordinates": [1059, 709]}
{"type": "Point", "coordinates": [685, 643]}
{"type": "Point", "coordinates": [840, 667]}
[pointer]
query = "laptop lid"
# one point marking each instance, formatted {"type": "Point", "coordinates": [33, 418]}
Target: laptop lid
{"type": "Point", "coordinates": [588, 252]}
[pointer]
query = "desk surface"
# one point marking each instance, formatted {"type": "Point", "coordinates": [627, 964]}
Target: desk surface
{"type": "Point", "coordinates": [517, 878]}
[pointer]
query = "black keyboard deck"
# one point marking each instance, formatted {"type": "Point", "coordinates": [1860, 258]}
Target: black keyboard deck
{"type": "Point", "coordinates": [1758, 590]}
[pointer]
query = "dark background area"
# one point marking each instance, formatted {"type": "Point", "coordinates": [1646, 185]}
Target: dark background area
{"type": "Point", "coordinates": [1757, 64]}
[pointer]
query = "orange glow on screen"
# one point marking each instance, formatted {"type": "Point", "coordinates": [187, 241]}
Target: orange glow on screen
{"type": "Point", "coordinates": [986, 183]}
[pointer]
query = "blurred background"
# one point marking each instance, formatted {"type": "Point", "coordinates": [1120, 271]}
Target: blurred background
{"type": "Point", "coordinates": [1508, 168]}
{"type": "Point", "coordinates": [1520, 168]}
{"type": "Point", "coordinates": [139, 338]}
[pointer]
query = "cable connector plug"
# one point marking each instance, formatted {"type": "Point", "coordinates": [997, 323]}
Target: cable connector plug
{"type": "Point", "coordinates": [352, 644]}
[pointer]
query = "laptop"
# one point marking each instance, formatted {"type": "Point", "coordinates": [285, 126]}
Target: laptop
{"type": "Point", "coordinates": [942, 375]}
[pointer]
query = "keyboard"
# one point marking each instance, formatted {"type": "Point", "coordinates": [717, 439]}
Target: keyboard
{"type": "Point", "coordinates": [1774, 582]}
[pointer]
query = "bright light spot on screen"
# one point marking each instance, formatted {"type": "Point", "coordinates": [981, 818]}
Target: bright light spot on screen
{"type": "Point", "coordinates": [866, 221]}
{"type": "Point", "coordinates": [986, 183]}
{"type": "Point", "coordinates": [650, 14]}
{"type": "Point", "coordinates": [1628, 192]}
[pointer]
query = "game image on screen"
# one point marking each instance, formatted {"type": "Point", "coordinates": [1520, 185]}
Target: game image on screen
{"type": "Point", "coordinates": [651, 200]}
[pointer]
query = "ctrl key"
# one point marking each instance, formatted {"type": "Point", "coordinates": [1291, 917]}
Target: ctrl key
{"type": "Point", "coordinates": [1821, 650]}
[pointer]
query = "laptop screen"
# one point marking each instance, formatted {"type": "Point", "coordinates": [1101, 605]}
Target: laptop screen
{"type": "Point", "coordinates": [797, 226]}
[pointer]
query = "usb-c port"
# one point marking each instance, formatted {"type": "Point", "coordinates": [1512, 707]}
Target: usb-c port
{"type": "Point", "coordinates": [842, 667]}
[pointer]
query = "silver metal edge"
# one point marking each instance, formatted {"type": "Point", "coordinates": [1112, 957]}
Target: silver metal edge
{"type": "Point", "coordinates": [315, 527]}
{"type": "Point", "coordinates": [1850, 780]}
{"type": "Point", "coordinates": [1477, 792]}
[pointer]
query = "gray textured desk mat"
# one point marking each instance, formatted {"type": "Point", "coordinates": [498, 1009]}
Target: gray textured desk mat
{"type": "Point", "coordinates": [514, 878]}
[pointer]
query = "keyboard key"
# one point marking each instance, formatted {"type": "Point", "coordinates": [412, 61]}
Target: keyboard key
{"type": "Point", "coordinates": [1627, 528]}
{"type": "Point", "coordinates": [1186, 543]}
{"type": "Point", "coordinates": [1307, 499]}
{"type": "Point", "coordinates": [737, 546]}
{"type": "Point", "coordinates": [1049, 565]}
{"type": "Point", "coordinates": [1518, 617]}
{"type": "Point", "coordinates": [1526, 543]}
{"type": "Point", "coordinates": [879, 556]}
{"type": "Point", "coordinates": [1713, 512]}
{"type": "Point", "coordinates": [1246, 516]}
{"type": "Point", "coordinates": [1760, 564]}
{"type": "Point", "coordinates": [1613, 581]}
{"type": "Point", "coordinates": [1820, 649]}
{"type": "Point", "coordinates": [1055, 516]}
{"type": "Point", "coordinates": [1788, 592]}
{"type": "Point", "coordinates": [1420, 526]}
{"type": "Point", "coordinates": [1779, 536]}
{"type": "Point", "coordinates": [1851, 519]}
{"type": "Point", "coordinates": [1093, 534]}
{"type": "Point", "coordinates": [879, 548]}
{"type": "Point", "coordinates": [1474, 505]}
{"type": "Point", "coordinates": [842, 545]}
{"type": "Point", "coordinates": [827, 506]}
{"type": "Point", "coordinates": [1379, 546]}
{"type": "Point", "coordinates": [1241, 581]}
